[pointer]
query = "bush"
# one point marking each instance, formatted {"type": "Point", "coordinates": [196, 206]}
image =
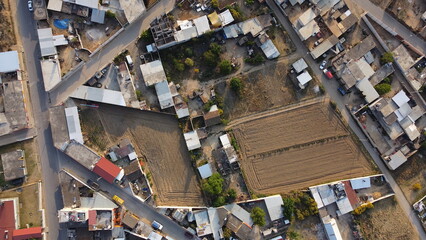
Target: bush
{"type": "Point", "coordinates": [110, 14]}
{"type": "Point", "coordinates": [383, 88]}
{"type": "Point", "coordinates": [236, 13]}
{"type": "Point", "coordinates": [292, 235]}
{"type": "Point", "coordinates": [225, 67]}
{"type": "Point", "coordinates": [231, 195]}
{"type": "Point", "coordinates": [359, 210]}
{"type": "Point", "coordinates": [249, 2]}
{"type": "Point", "coordinates": [138, 94]}
{"type": "Point", "coordinates": [387, 57]}
{"type": "Point", "coordinates": [189, 62]}
{"type": "Point", "coordinates": [213, 185]}
{"type": "Point", "coordinates": [237, 85]}
{"type": "Point", "coordinates": [416, 187]}
{"type": "Point", "coordinates": [256, 60]}
{"type": "Point", "coordinates": [210, 58]}
{"type": "Point", "coordinates": [258, 216]}
{"type": "Point", "coordinates": [147, 36]}
{"type": "Point", "coordinates": [219, 201]}
{"type": "Point", "coordinates": [189, 52]}
{"type": "Point", "coordinates": [215, 48]}
{"type": "Point", "coordinates": [288, 208]}
{"type": "Point", "coordinates": [178, 65]}
{"type": "Point", "coordinates": [300, 204]}
{"type": "Point", "coordinates": [387, 80]}
{"type": "Point", "coordinates": [235, 144]}
{"type": "Point", "coordinates": [215, 3]}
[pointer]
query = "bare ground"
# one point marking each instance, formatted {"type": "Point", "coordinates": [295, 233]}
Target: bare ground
{"type": "Point", "coordinates": [159, 139]}
{"type": "Point", "coordinates": [297, 148]}
{"type": "Point", "coordinates": [386, 221]}
{"type": "Point", "coordinates": [7, 36]}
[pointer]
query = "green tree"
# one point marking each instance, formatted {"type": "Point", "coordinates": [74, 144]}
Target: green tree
{"type": "Point", "coordinates": [225, 67]}
{"type": "Point", "coordinates": [147, 36]}
{"type": "Point", "coordinates": [237, 85]}
{"type": "Point", "coordinates": [219, 201]}
{"type": "Point", "coordinates": [249, 2]}
{"type": "Point", "coordinates": [288, 207]}
{"type": "Point", "coordinates": [178, 65]}
{"type": "Point", "coordinates": [215, 3]}
{"type": "Point", "coordinates": [189, 62]}
{"type": "Point", "coordinates": [258, 216]}
{"type": "Point", "coordinates": [227, 233]}
{"type": "Point", "coordinates": [110, 14]}
{"type": "Point", "coordinates": [387, 57]}
{"type": "Point", "coordinates": [138, 94]}
{"type": "Point", "coordinates": [231, 195]}
{"type": "Point", "coordinates": [210, 58]}
{"type": "Point", "coordinates": [215, 48]}
{"type": "Point", "coordinates": [292, 235]}
{"type": "Point", "coordinates": [256, 60]}
{"type": "Point", "coordinates": [383, 88]}
{"type": "Point", "coordinates": [189, 52]}
{"type": "Point", "coordinates": [213, 185]}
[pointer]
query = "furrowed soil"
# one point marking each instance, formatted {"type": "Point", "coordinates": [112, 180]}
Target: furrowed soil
{"type": "Point", "coordinates": [159, 139]}
{"type": "Point", "coordinates": [297, 148]}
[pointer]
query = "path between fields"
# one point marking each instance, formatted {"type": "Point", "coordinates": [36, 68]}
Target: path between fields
{"type": "Point", "coordinates": [274, 111]}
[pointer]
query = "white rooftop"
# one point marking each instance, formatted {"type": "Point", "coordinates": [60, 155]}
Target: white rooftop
{"type": "Point", "coordinates": [51, 70]}
{"type": "Point", "coordinates": [9, 62]}
{"type": "Point", "coordinates": [403, 111]}
{"type": "Point", "coordinates": [226, 17]}
{"type": "Point", "coordinates": [304, 78]}
{"type": "Point", "coordinates": [252, 26]}
{"type": "Point", "coordinates": [55, 5]}
{"type": "Point", "coordinates": [332, 230]}
{"type": "Point", "coordinates": [73, 124]}
{"type": "Point", "coordinates": [368, 90]}
{"type": "Point", "coordinates": [400, 98]}
{"type": "Point", "coordinates": [270, 50]}
{"type": "Point", "coordinates": [164, 95]}
{"type": "Point", "coordinates": [360, 183]}
{"type": "Point", "coordinates": [308, 30]}
{"type": "Point", "coordinates": [99, 95]}
{"type": "Point", "coordinates": [205, 171]}
{"type": "Point", "coordinates": [317, 197]}
{"type": "Point", "coordinates": [412, 132]}
{"type": "Point", "coordinates": [344, 205]}
{"type": "Point", "coordinates": [192, 140]}
{"type": "Point", "coordinates": [153, 72]}
{"type": "Point", "coordinates": [300, 65]}
{"type": "Point", "coordinates": [186, 34]}
{"type": "Point", "coordinates": [396, 160]}
{"type": "Point", "coordinates": [274, 206]}
{"type": "Point", "coordinates": [203, 223]}
{"type": "Point", "coordinates": [306, 17]}
{"type": "Point", "coordinates": [202, 25]}
{"type": "Point", "coordinates": [224, 140]}
{"type": "Point", "coordinates": [45, 37]}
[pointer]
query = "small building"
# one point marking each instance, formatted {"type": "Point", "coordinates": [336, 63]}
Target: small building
{"type": "Point", "coordinates": [224, 140]}
{"type": "Point", "coordinates": [395, 160]}
{"type": "Point", "coordinates": [130, 220]}
{"type": "Point", "coordinates": [215, 20]}
{"type": "Point", "coordinates": [133, 171]}
{"type": "Point", "coordinates": [81, 153]}
{"type": "Point", "coordinates": [9, 216]}
{"type": "Point", "coordinates": [124, 150]}
{"type": "Point", "coordinates": [205, 171]}
{"type": "Point", "coordinates": [203, 223]}
{"type": "Point", "coordinates": [305, 18]}
{"type": "Point", "coordinates": [212, 117]}
{"type": "Point", "coordinates": [252, 26]}
{"type": "Point", "coordinates": [274, 206]}
{"type": "Point", "coordinates": [99, 95]}
{"type": "Point", "coordinates": [192, 140]}
{"type": "Point", "coordinates": [331, 229]}
{"type": "Point", "coordinates": [108, 171]}
{"type": "Point", "coordinates": [9, 62]}
{"type": "Point", "coordinates": [153, 72]}
{"type": "Point", "coordinates": [300, 65]}
{"type": "Point", "coordinates": [401, 98]}
{"type": "Point", "coordinates": [14, 166]}
{"type": "Point", "coordinates": [308, 30]}
{"type": "Point", "coordinates": [84, 3]}
{"type": "Point", "coordinates": [100, 220]}
{"type": "Point", "coordinates": [367, 90]}
{"type": "Point", "coordinates": [326, 45]}
{"type": "Point", "coordinates": [27, 233]}
{"type": "Point", "coordinates": [202, 25]}
{"type": "Point", "coordinates": [403, 57]}
{"type": "Point", "coordinates": [360, 183]}
{"type": "Point", "coordinates": [51, 69]}
{"type": "Point", "coordinates": [73, 124]}
{"type": "Point", "coordinates": [48, 42]}
{"type": "Point", "coordinates": [164, 95]}
{"type": "Point", "coordinates": [226, 17]}
{"type": "Point", "coordinates": [303, 79]}
{"type": "Point", "coordinates": [98, 16]}
{"type": "Point", "coordinates": [269, 49]}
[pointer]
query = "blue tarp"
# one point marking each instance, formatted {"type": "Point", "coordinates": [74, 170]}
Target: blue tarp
{"type": "Point", "coordinates": [61, 24]}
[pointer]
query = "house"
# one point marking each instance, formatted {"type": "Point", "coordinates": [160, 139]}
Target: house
{"type": "Point", "coordinates": [98, 16]}
{"type": "Point", "coordinates": [326, 45]}
{"type": "Point", "coordinates": [153, 72]}
{"type": "Point", "coordinates": [226, 17]}
{"type": "Point", "coordinates": [274, 207]}
{"type": "Point", "coordinates": [124, 150]}
{"type": "Point", "coordinates": [308, 30]}
{"type": "Point", "coordinates": [14, 166]}
{"type": "Point", "coordinates": [13, 115]}
{"type": "Point", "coordinates": [9, 62]}
{"type": "Point", "coordinates": [331, 229]}
{"type": "Point", "coordinates": [48, 42]}
{"type": "Point", "coordinates": [192, 140]}
{"type": "Point", "coordinates": [73, 124]}
{"type": "Point", "coordinates": [99, 95]}
{"type": "Point", "coordinates": [215, 20]}
{"type": "Point", "coordinates": [205, 171]}
{"type": "Point", "coordinates": [395, 160]}
{"type": "Point", "coordinates": [51, 69]}
{"type": "Point", "coordinates": [164, 95]}
{"type": "Point", "coordinates": [212, 117]}
{"type": "Point", "coordinates": [299, 65]}
{"type": "Point", "coordinates": [108, 171]}
{"type": "Point", "coordinates": [269, 49]}
{"type": "Point", "coordinates": [100, 220]}
{"type": "Point", "coordinates": [27, 233]}
{"type": "Point", "coordinates": [360, 183]}
{"type": "Point", "coordinates": [403, 57]}
{"type": "Point", "coordinates": [133, 171]}
{"type": "Point", "coordinates": [305, 18]}
{"type": "Point", "coordinates": [202, 25]}
{"type": "Point", "coordinates": [303, 79]}
{"type": "Point", "coordinates": [367, 89]}
{"type": "Point", "coordinates": [9, 216]}
{"type": "Point", "coordinates": [130, 220]}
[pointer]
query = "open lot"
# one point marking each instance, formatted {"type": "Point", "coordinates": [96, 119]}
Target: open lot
{"type": "Point", "coordinates": [7, 36]}
{"type": "Point", "coordinates": [296, 148]}
{"type": "Point", "coordinates": [159, 139]}
{"type": "Point", "coordinates": [386, 221]}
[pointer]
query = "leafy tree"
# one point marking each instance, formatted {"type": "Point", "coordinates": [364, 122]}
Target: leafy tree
{"type": "Point", "coordinates": [189, 62]}
{"type": "Point", "coordinates": [215, 48]}
{"type": "Point", "coordinates": [210, 58]}
{"type": "Point", "coordinates": [288, 207]}
{"type": "Point", "coordinates": [231, 195]}
{"type": "Point", "coordinates": [237, 85]}
{"type": "Point", "coordinates": [189, 52]}
{"type": "Point", "coordinates": [256, 60]}
{"type": "Point", "coordinates": [219, 201]}
{"type": "Point", "coordinates": [292, 235]}
{"type": "Point", "coordinates": [227, 233]}
{"type": "Point", "coordinates": [249, 2]}
{"type": "Point", "coordinates": [416, 187]}
{"type": "Point", "coordinates": [359, 210]}
{"type": "Point", "coordinates": [138, 94]}
{"type": "Point", "coordinates": [147, 36]}
{"type": "Point", "coordinates": [258, 216]}
{"type": "Point", "coordinates": [178, 65]}
{"type": "Point", "coordinates": [213, 185]}
{"type": "Point", "coordinates": [387, 57]}
{"type": "Point", "coordinates": [383, 88]}
{"type": "Point", "coordinates": [215, 3]}
{"type": "Point", "coordinates": [225, 67]}
{"type": "Point", "coordinates": [110, 14]}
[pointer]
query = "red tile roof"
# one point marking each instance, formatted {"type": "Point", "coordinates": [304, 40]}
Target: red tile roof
{"type": "Point", "coordinates": [106, 169]}
{"type": "Point", "coordinates": [27, 233]}
{"type": "Point", "coordinates": [7, 218]}
{"type": "Point", "coordinates": [351, 194]}
{"type": "Point", "coordinates": [92, 217]}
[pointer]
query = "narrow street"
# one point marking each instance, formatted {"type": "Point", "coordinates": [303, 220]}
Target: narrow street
{"type": "Point", "coordinates": [341, 101]}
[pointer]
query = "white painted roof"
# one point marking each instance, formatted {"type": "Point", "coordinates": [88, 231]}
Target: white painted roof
{"type": "Point", "coordinates": [360, 183]}
{"type": "Point", "coordinates": [368, 90]}
{"type": "Point", "coordinates": [99, 95]}
{"type": "Point", "coordinates": [332, 230]}
{"type": "Point", "coordinates": [164, 95]}
{"type": "Point", "coordinates": [55, 5]}
{"type": "Point", "coordinates": [51, 70]}
{"type": "Point", "coordinates": [396, 160]}
{"type": "Point", "coordinates": [205, 171]}
{"type": "Point", "coordinates": [192, 140]}
{"type": "Point", "coordinates": [300, 65]}
{"type": "Point", "coordinates": [73, 124]}
{"type": "Point", "coordinates": [59, 40]}
{"type": "Point", "coordinates": [400, 98]}
{"type": "Point", "coordinates": [306, 17]}
{"type": "Point", "coordinates": [186, 34]}
{"type": "Point", "coordinates": [226, 17]}
{"type": "Point", "coordinates": [274, 206]}
{"type": "Point", "coordinates": [308, 30]}
{"type": "Point", "coordinates": [224, 140]}
{"type": "Point", "coordinates": [45, 37]}
{"type": "Point", "coordinates": [132, 156]}
{"type": "Point", "coordinates": [403, 111]}
{"type": "Point", "coordinates": [202, 25]}
{"type": "Point", "coordinates": [153, 72]}
{"type": "Point", "coordinates": [87, 3]}
{"type": "Point", "coordinates": [9, 62]}
{"type": "Point", "coordinates": [270, 50]}
{"type": "Point", "coordinates": [304, 78]}
{"type": "Point", "coordinates": [412, 132]}
{"type": "Point", "coordinates": [317, 197]}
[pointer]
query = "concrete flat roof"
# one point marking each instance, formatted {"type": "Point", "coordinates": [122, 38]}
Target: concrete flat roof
{"type": "Point", "coordinates": [58, 126]}
{"type": "Point", "coordinates": [132, 8]}
{"type": "Point", "coordinates": [82, 154]}
{"type": "Point", "coordinates": [14, 106]}
{"type": "Point", "coordinates": [51, 70]}
{"type": "Point", "coordinates": [153, 72]}
{"type": "Point", "coordinates": [9, 62]}
{"type": "Point", "coordinates": [14, 165]}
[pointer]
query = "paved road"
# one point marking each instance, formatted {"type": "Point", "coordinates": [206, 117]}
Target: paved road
{"type": "Point", "coordinates": [341, 101]}
{"type": "Point", "coordinates": [47, 153]}
{"type": "Point", "coordinates": [394, 24]}
{"type": "Point", "coordinates": [17, 136]}
{"type": "Point", "coordinates": [109, 51]}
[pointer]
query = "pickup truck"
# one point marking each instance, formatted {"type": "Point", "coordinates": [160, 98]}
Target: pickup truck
{"type": "Point", "coordinates": [156, 225]}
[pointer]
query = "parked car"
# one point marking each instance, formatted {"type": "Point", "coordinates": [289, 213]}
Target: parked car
{"type": "Point", "coordinates": [189, 235]}
{"type": "Point", "coordinates": [118, 200]}
{"type": "Point", "coordinates": [342, 91]}
{"type": "Point", "coordinates": [129, 61]}
{"type": "Point", "coordinates": [156, 225]}
{"type": "Point", "coordinates": [328, 73]}
{"type": "Point", "coordinates": [30, 5]}
{"type": "Point", "coordinates": [322, 65]}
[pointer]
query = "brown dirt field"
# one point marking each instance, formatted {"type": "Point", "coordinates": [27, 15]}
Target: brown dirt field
{"type": "Point", "coordinates": [7, 36]}
{"type": "Point", "coordinates": [386, 221]}
{"type": "Point", "coordinates": [276, 148]}
{"type": "Point", "coordinates": [309, 228]}
{"type": "Point", "coordinates": [159, 138]}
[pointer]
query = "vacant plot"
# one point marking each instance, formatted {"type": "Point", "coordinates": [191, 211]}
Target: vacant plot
{"type": "Point", "coordinates": [7, 36]}
{"type": "Point", "coordinates": [386, 221]}
{"type": "Point", "coordinates": [159, 138]}
{"type": "Point", "coordinates": [297, 148]}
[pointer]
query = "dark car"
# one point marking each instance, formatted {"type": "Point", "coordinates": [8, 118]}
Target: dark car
{"type": "Point", "coordinates": [189, 235]}
{"type": "Point", "coordinates": [342, 91]}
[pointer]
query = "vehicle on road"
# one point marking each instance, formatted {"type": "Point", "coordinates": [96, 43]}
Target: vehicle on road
{"type": "Point", "coordinates": [156, 225]}
{"type": "Point", "coordinates": [328, 73]}
{"type": "Point", "coordinates": [189, 235]}
{"type": "Point", "coordinates": [30, 5]}
{"type": "Point", "coordinates": [129, 61]}
{"type": "Point", "coordinates": [342, 91]}
{"type": "Point", "coordinates": [322, 66]}
{"type": "Point", "coordinates": [118, 200]}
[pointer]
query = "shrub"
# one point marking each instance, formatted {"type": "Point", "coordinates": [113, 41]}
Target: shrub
{"type": "Point", "coordinates": [416, 187]}
{"type": "Point", "coordinates": [256, 60]}
{"type": "Point", "coordinates": [249, 2]}
{"type": "Point", "coordinates": [227, 233]}
{"type": "Point", "coordinates": [215, 48]}
{"type": "Point", "coordinates": [189, 62]}
{"type": "Point", "coordinates": [188, 52]}
{"type": "Point", "coordinates": [110, 14]}
{"type": "Point", "coordinates": [359, 210]}
{"type": "Point", "coordinates": [288, 207]}
{"type": "Point", "coordinates": [213, 185]}
{"type": "Point", "coordinates": [258, 216]}
{"type": "Point", "coordinates": [215, 3]}
{"type": "Point", "coordinates": [387, 80]}
{"type": "Point", "coordinates": [383, 88]}
{"type": "Point", "coordinates": [210, 58]}
{"type": "Point", "coordinates": [138, 94]}
{"type": "Point", "coordinates": [178, 65]}
{"type": "Point", "coordinates": [387, 57]}
{"type": "Point", "coordinates": [231, 195]}
{"type": "Point", "coordinates": [225, 67]}
{"type": "Point", "coordinates": [292, 235]}
{"type": "Point", "coordinates": [234, 143]}
{"type": "Point", "coordinates": [237, 85]}
{"type": "Point", "coordinates": [147, 36]}
{"type": "Point", "coordinates": [219, 201]}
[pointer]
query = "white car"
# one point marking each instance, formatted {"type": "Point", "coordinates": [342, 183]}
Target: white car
{"type": "Point", "coordinates": [30, 5]}
{"type": "Point", "coordinates": [322, 66]}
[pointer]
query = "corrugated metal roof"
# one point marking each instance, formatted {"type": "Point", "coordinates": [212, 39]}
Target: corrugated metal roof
{"type": "Point", "coordinates": [106, 169]}
{"type": "Point", "coordinates": [27, 233]}
{"type": "Point", "coordinates": [226, 17]}
{"type": "Point", "coordinates": [202, 25]}
{"type": "Point", "coordinates": [73, 123]}
{"type": "Point", "coordinates": [368, 90]}
{"type": "Point", "coordinates": [205, 171]}
{"type": "Point", "coordinates": [164, 95]}
{"type": "Point", "coordinates": [270, 50]}
{"type": "Point", "coordinates": [99, 95]}
{"type": "Point", "coordinates": [98, 16]}
{"type": "Point", "coordinates": [9, 61]}
{"type": "Point", "coordinates": [192, 140]}
{"type": "Point", "coordinates": [274, 206]}
{"type": "Point", "coordinates": [45, 37]}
